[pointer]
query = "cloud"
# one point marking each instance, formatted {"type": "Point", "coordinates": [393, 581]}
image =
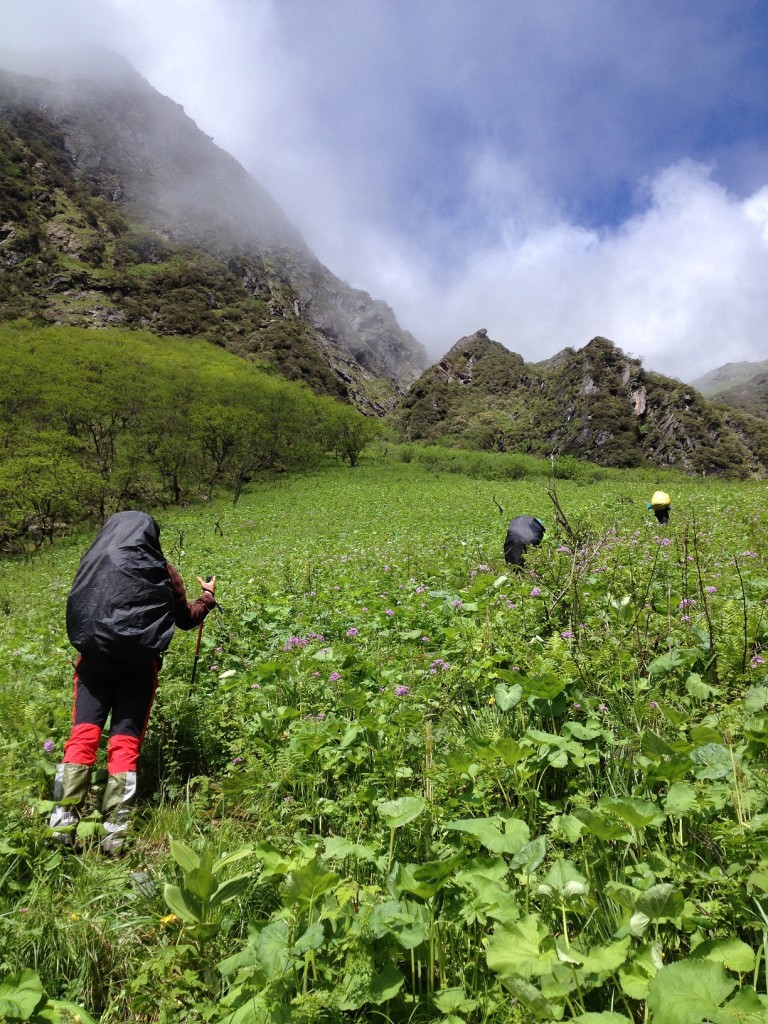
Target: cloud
{"type": "Point", "coordinates": [547, 171]}
{"type": "Point", "coordinates": [680, 284]}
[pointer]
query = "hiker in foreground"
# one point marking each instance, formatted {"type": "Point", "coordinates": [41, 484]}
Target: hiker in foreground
{"type": "Point", "coordinates": [661, 504]}
{"type": "Point", "coordinates": [125, 603]}
{"type": "Point", "coordinates": [521, 532]}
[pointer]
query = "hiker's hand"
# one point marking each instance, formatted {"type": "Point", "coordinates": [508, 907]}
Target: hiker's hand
{"type": "Point", "coordinates": [209, 586]}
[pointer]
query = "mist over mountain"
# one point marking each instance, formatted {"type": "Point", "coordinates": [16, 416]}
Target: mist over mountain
{"type": "Point", "coordinates": [117, 210]}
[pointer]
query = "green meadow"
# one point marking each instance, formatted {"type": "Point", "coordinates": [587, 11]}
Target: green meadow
{"type": "Point", "coordinates": [407, 783]}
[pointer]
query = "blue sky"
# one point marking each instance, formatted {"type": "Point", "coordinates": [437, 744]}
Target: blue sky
{"type": "Point", "coordinates": [547, 169]}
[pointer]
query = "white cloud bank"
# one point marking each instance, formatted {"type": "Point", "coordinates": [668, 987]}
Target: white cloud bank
{"type": "Point", "coordinates": [682, 285]}
{"type": "Point", "coordinates": [429, 154]}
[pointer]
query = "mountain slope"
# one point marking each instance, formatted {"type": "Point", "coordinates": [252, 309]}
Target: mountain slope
{"type": "Point", "coordinates": [116, 210]}
{"type": "Point", "coordinates": [595, 403]}
{"type": "Point", "coordinates": [727, 376]}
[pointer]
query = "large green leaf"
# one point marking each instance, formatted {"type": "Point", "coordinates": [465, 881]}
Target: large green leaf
{"type": "Point", "coordinates": [600, 826]}
{"type": "Point", "coordinates": [183, 904]}
{"type": "Point", "coordinates": [636, 812]}
{"type": "Point", "coordinates": [731, 953]}
{"type": "Point", "coordinates": [746, 1007]}
{"type": "Point", "coordinates": [200, 883]}
{"type": "Point", "coordinates": [20, 995]}
{"type": "Point", "coordinates": [756, 698]}
{"type": "Point", "coordinates": [340, 848]}
{"type": "Point", "coordinates": [523, 949]}
{"type": "Point", "coordinates": [680, 799]}
{"type": "Point", "coordinates": [401, 811]}
{"type": "Point", "coordinates": [532, 999]}
{"type": "Point", "coordinates": [564, 880]}
{"type": "Point", "coordinates": [229, 890]}
{"type": "Point", "coordinates": [307, 884]}
{"type": "Point", "coordinates": [606, 959]}
{"type": "Point", "coordinates": [660, 903]}
{"type": "Point", "coordinates": [313, 938]}
{"type": "Point", "coordinates": [361, 986]}
{"type": "Point", "coordinates": [407, 921]}
{"type": "Point", "coordinates": [530, 856]}
{"type": "Point", "coordinates": [231, 858]}
{"type": "Point", "coordinates": [488, 832]}
{"type": "Point", "coordinates": [688, 992]}
{"type": "Point", "coordinates": [273, 949]}
{"type": "Point", "coordinates": [546, 686]}
{"type": "Point", "coordinates": [712, 761]}
{"type": "Point", "coordinates": [507, 697]}
{"type": "Point", "coordinates": [185, 857]}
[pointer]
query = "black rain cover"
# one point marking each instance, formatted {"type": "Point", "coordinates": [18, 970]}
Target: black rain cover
{"type": "Point", "coordinates": [522, 531]}
{"type": "Point", "coordinates": [121, 602]}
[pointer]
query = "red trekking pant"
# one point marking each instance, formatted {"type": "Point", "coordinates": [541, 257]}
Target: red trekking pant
{"type": "Point", "coordinates": [128, 693]}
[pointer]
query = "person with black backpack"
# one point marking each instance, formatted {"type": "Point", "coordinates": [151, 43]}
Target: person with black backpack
{"type": "Point", "coordinates": [522, 532]}
{"type": "Point", "coordinates": [122, 610]}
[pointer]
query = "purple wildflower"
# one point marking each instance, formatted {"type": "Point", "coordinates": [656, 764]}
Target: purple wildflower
{"type": "Point", "coordinates": [255, 686]}
{"type": "Point", "coordinates": [711, 590]}
{"type": "Point", "coordinates": [567, 634]}
{"type": "Point", "coordinates": [654, 704]}
{"type": "Point", "coordinates": [237, 760]}
{"type": "Point", "coordinates": [49, 746]}
{"type": "Point", "coordinates": [388, 611]}
{"type": "Point", "coordinates": [536, 592]}
{"type": "Point", "coordinates": [757, 661]}
{"type": "Point", "coordinates": [334, 677]}
{"type": "Point", "coordinates": [352, 631]}
{"type": "Point", "coordinates": [402, 691]}
{"type": "Point", "coordinates": [425, 639]}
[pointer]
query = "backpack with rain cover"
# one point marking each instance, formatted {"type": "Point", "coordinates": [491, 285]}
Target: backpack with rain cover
{"type": "Point", "coordinates": [121, 605]}
{"type": "Point", "coordinates": [522, 531]}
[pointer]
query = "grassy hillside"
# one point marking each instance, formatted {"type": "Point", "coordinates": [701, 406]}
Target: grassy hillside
{"type": "Point", "coordinates": [96, 421]}
{"type": "Point", "coordinates": [453, 793]}
{"type": "Point", "coordinates": [118, 211]}
{"type": "Point", "coordinates": [595, 403]}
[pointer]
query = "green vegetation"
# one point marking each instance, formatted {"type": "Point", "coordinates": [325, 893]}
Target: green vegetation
{"type": "Point", "coordinates": [595, 404]}
{"type": "Point", "coordinates": [96, 421]}
{"type": "Point", "coordinates": [409, 785]}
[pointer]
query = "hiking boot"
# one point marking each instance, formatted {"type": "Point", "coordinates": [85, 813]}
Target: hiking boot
{"type": "Point", "coordinates": [119, 797]}
{"type": "Point", "coordinates": [70, 788]}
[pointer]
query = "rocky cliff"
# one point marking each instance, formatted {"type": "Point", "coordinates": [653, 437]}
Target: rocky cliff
{"type": "Point", "coordinates": [116, 209]}
{"type": "Point", "coordinates": [594, 403]}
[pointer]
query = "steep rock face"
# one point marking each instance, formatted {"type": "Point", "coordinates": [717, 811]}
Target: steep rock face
{"type": "Point", "coordinates": [595, 403]}
{"type": "Point", "coordinates": [464, 391]}
{"type": "Point", "coordinates": [116, 209]}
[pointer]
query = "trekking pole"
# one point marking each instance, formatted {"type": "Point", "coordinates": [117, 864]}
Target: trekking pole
{"type": "Point", "coordinates": [197, 647]}
{"type": "Point", "coordinates": [197, 655]}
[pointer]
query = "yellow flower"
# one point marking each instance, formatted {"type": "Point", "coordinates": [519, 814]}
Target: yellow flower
{"type": "Point", "coordinates": [74, 917]}
{"type": "Point", "coordinates": [168, 919]}
{"type": "Point", "coordinates": [491, 700]}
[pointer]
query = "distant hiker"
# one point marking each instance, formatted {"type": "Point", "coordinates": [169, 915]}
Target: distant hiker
{"type": "Point", "coordinates": [521, 532]}
{"type": "Point", "coordinates": [661, 504]}
{"type": "Point", "coordinates": [125, 603]}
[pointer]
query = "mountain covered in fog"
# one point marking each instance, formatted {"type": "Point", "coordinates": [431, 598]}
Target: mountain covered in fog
{"type": "Point", "coordinates": [595, 403]}
{"type": "Point", "coordinates": [115, 209]}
